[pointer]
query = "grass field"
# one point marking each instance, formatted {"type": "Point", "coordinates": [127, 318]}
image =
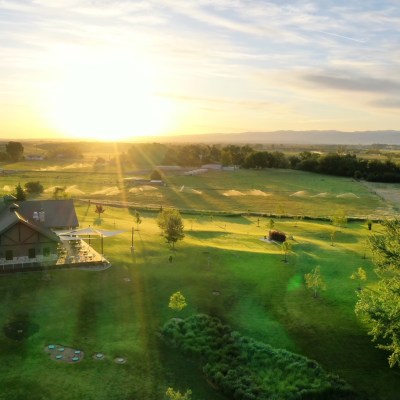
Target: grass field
{"type": "Point", "coordinates": [260, 296]}
{"type": "Point", "coordinates": [271, 191]}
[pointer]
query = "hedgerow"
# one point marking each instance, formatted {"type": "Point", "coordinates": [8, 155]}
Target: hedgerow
{"type": "Point", "coordinates": [245, 369]}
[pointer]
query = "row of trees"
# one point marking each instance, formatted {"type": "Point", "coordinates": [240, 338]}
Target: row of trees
{"type": "Point", "coordinates": [248, 157]}
{"type": "Point", "coordinates": [331, 164]}
{"type": "Point", "coordinates": [14, 151]}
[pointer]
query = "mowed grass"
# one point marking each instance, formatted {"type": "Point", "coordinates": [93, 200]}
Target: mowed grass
{"type": "Point", "coordinates": [271, 191]}
{"type": "Point", "coordinates": [258, 295]}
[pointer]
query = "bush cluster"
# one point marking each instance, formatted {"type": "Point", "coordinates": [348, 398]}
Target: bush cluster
{"type": "Point", "coordinates": [277, 236]}
{"type": "Point", "coordinates": [244, 369]}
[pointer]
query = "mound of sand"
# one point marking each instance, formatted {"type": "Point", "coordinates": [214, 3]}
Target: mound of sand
{"type": "Point", "coordinates": [347, 196]}
{"type": "Point", "coordinates": [148, 187]}
{"type": "Point", "coordinates": [55, 168]}
{"type": "Point", "coordinates": [50, 189]}
{"type": "Point", "coordinates": [233, 193]}
{"type": "Point", "coordinates": [256, 192]}
{"type": "Point", "coordinates": [113, 192]}
{"type": "Point", "coordinates": [76, 165]}
{"type": "Point", "coordinates": [7, 188]}
{"type": "Point", "coordinates": [74, 190]}
{"type": "Point", "coordinates": [107, 190]}
{"type": "Point", "coordinates": [324, 194]}
{"type": "Point", "coordinates": [196, 191]}
{"type": "Point", "coordinates": [301, 193]}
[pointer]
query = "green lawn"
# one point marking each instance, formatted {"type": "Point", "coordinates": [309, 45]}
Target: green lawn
{"type": "Point", "coordinates": [260, 296]}
{"type": "Point", "coordinates": [271, 191]}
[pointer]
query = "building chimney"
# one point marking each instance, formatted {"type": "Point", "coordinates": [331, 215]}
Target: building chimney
{"type": "Point", "coordinates": [42, 215]}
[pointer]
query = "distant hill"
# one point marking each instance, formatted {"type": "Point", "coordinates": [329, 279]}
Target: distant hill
{"type": "Point", "coordinates": [288, 137]}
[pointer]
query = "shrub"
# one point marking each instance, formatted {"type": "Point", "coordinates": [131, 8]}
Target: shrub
{"type": "Point", "coordinates": [245, 369]}
{"type": "Point", "coordinates": [34, 187]}
{"type": "Point", "coordinates": [277, 236]}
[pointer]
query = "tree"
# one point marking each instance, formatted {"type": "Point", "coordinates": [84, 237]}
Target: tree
{"type": "Point", "coordinates": [156, 175]}
{"type": "Point", "coordinates": [314, 281]}
{"type": "Point", "coordinates": [34, 187]}
{"type": "Point", "coordinates": [360, 275]}
{"type": "Point", "coordinates": [15, 150]}
{"type": "Point", "coordinates": [170, 222]}
{"type": "Point", "coordinates": [59, 193]}
{"type": "Point", "coordinates": [333, 236]}
{"type": "Point", "coordinates": [99, 210]}
{"type": "Point", "coordinates": [339, 219]}
{"type": "Point", "coordinates": [286, 249]}
{"type": "Point", "coordinates": [177, 301]}
{"type": "Point", "coordinates": [380, 307]}
{"type": "Point", "coordinates": [138, 219]}
{"type": "Point", "coordinates": [177, 395]}
{"type": "Point", "coordinates": [271, 224]}
{"type": "Point", "coordinates": [19, 193]}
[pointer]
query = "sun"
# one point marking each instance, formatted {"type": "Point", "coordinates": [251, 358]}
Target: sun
{"type": "Point", "coordinates": [106, 96]}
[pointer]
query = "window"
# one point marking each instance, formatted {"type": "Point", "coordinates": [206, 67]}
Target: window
{"type": "Point", "coordinates": [32, 253]}
{"type": "Point", "coordinates": [9, 255]}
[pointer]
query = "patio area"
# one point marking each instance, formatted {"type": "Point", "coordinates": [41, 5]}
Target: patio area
{"type": "Point", "coordinates": [72, 253]}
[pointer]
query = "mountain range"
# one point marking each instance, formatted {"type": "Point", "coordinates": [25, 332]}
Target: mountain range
{"type": "Point", "coordinates": [289, 137]}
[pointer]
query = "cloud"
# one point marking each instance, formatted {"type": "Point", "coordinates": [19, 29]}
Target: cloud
{"type": "Point", "coordinates": [337, 81]}
{"type": "Point", "coordinates": [390, 103]}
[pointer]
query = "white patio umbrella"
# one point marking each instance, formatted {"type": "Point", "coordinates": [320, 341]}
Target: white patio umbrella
{"type": "Point", "coordinates": [71, 235]}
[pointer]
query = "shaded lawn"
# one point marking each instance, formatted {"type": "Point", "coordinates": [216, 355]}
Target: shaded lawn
{"type": "Point", "coordinates": [259, 295]}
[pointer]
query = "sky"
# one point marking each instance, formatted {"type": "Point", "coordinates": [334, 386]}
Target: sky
{"type": "Point", "coordinates": [118, 69]}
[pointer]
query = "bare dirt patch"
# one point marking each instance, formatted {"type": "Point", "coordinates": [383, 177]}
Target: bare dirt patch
{"type": "Point", "coordinates": [233, 193]}
{"type": "Point", "coordinates": [300, 193]}
{"type": "Point", "coordinates": [256, 192]}
{"type": "Point", "coordinates": [347, 196]}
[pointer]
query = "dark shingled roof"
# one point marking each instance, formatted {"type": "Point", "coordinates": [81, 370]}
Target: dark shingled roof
{"type": "Point", "coordinates": [9, 218]}
{"type": "Point", "coordinates": [58, 213]}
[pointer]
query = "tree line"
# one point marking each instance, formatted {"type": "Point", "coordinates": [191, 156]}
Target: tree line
{"type": "Point", "coordinates": [348, 164]}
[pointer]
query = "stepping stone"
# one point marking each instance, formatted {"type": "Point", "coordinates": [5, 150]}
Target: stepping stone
{"type": "Point", "coordinates": [99, 356]}
{"type": "Point", "coordinates": [75, 358]}
{"type": "Point", "coordinates": [61, 349]}
{"type": "Point", "coordinates": [59, 356]}
{"type": "Point", "coordinates": [51, 346]}
{"type": "Point", "coordinates": [77, 352]}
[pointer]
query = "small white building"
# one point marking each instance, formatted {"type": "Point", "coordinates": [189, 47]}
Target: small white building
{"type": "Point", "coordinates": [216, 167]}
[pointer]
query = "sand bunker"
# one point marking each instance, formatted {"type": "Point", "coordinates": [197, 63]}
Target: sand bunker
{"type": "Point", "coordinates": [50, 189]}
{"type": "Point", "coordinates": [148, 187]}
{"type": "Point", "coordinates": [324, 194]}
{"type": "Point", "coordinates": [109, 191]}
{"type": "Point", "coordinates": [73, 190]}
{"type": "Point", "coordinates": [347, 196]}
{"type": "Point", "coordinates": [256, 192]}
{"type": "Point", "coordinates": [7, 188]}
{"type": "Point", "coordinates": [301, 193]}
{"type": "Point", "coordinates": [233, 193]}
{"type": "Point", "coordinates": [70, 166]}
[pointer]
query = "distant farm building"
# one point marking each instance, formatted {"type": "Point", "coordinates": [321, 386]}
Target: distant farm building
{"type": "Point", "coordinates": [196, 171]}
{"type": "Point", "coordinates": [34, 157]}
{"type": "Point", "coordinates": [216, 167]}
